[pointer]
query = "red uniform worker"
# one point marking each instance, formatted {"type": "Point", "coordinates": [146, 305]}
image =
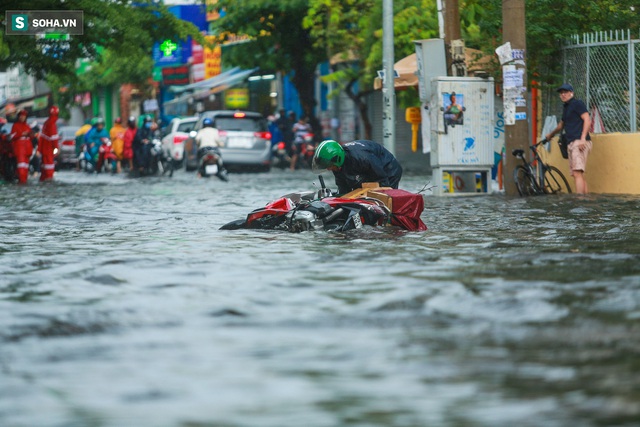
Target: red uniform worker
{"type": "Point", "coordinates": [47, 143]}
{"type": "Point", "coordinates": [22, 146]}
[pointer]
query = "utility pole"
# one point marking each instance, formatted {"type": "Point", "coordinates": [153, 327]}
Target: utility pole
{"type": "Point", "coordinates": [388, 83]}
{"type": "Point", "coordinates": [514, 76]}
{"type": "Point", "coordinates": [451, 29]}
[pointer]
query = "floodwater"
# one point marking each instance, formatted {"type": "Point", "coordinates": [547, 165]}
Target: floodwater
{"type": "Point", "coordinates": [123, 304]}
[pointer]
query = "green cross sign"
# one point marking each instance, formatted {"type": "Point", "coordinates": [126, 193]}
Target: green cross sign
{"type": "Point", "coordinates": [167, 47]}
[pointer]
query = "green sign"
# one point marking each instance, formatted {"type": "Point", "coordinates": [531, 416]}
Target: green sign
{"type": "Point", "coordinates": [167, 47]}
{"type": "Point", "coordinates": [40, 103]}
{"type": "Point", "coordinates": [56, 36]}
{"type": "Point", "coordinates": [157, 74]}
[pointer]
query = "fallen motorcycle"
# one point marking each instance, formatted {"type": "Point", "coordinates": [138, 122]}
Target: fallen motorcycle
{"type": "Point", "coordinates": [306, 211]}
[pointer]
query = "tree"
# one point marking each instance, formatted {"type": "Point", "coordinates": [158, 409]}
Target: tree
{"type": "Point", "coordinates": [124, 28]}
{"type": "Point", "coordinates": [550, 22]}
{"type": "Point", "coordinates": [278, 42]}
{"type": "Point", "coordinates": [351, 31]}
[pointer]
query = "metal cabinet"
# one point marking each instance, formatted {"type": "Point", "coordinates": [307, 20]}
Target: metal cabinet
{"type": "Point", "coordinates": [461, 116]}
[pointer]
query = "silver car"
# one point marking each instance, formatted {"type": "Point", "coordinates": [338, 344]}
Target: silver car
{"type": "Point", "coordinates": [175, 134]}
{"type": "Point", "coordinates": [246, 140]}
{"type": "Point", "coordinates": [67, 154]}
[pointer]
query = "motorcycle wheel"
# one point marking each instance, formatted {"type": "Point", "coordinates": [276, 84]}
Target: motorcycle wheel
{"type": "Point", "coordinates": [167, 167]}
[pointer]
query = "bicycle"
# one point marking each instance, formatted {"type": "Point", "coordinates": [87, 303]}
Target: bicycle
{"type": "Point", "coordinates": [530, 183]}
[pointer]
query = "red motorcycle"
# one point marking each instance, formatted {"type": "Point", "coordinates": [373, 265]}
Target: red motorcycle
{"type": "Point", "coordinates": [106, 157]}
{"type": "Point", "coordinates": [306, 211]}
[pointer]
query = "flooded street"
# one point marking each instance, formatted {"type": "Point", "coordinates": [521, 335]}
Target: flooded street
{"type": "Point", "coordinates": [123, 304]}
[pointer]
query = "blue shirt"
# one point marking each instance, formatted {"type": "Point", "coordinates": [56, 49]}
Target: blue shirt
{"type": "Point", "coordinates": [571, 112]}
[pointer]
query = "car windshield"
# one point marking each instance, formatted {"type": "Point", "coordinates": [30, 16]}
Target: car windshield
{"type": "Point", "coordinates": [186, 126]}
{"type": "Point", "coordinates": [246, 124]}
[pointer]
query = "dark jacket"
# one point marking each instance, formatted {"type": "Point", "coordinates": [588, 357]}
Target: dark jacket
{"type": "Point", "coordinates": [367, 161]}
{"type": "Point", "coordinates": [142, 133]}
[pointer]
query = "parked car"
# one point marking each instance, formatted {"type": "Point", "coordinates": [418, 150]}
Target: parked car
{"type": "Point", "coordinates": [246, 140]}
{"type": "Point", "coordinates": [66, 156]}
{"type": "Point", "coordinates": [176, 132]}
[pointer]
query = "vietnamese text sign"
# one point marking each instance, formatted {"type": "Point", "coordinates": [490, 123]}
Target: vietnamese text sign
{"type": "Point", "coordinates": [175, 75]}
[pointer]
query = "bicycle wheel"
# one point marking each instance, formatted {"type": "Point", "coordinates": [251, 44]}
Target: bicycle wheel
{"type": "Point", "coordinates": [525, 181]}
{"type": "Point", "coordinates": [555, 182]}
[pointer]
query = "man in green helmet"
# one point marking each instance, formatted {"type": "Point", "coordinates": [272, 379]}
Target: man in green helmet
{"type": "Point", "coordinates": [356, 162]}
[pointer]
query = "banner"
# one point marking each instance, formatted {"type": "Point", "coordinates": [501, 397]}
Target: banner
{"type": "Point", "coordinates": [212, 60]}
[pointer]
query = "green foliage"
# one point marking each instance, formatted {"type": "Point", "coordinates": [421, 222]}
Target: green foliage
{"type": "Point", "coordinates": [549, 23]}
{"type": "Point", "coordinates": [126, 29]}
{"type": "Point", "coordinates": [277, 42]}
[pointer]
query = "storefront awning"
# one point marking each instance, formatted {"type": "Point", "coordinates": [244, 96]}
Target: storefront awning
{"type": "Point", "coordinates": [407, 68]}
{"type": "Point", "coordinates": [212, 81]}
{"type": "Point", "coordinates": [222, 82]}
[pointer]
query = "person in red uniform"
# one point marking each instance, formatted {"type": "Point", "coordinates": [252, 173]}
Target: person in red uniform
{"type": "Point", "coordinates": [48, 142]}
{"type": "Point", "coordinates": [22, 146]}
{"type": "Point", "coordinates": [129, 134]}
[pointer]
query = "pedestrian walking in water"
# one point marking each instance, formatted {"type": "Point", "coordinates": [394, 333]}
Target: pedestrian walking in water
{"type": "Point", "coordinates": [117, 141]}
{"type": "Point", "coordinates": [22, 147]}
{"type": "Point", "coordinates": [47, 143]}
{"type": "Point", "coordinates": [576, 123]}
{"type": "Point", "coordinates": [129, 135]}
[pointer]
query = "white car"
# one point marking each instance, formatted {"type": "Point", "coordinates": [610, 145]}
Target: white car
{"type": "Point", "coordinates": [175, 134]}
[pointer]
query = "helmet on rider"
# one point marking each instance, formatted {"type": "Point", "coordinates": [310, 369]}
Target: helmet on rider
{"type": "Point", "coordinates": [207, 123]}
{"type": "Point", "coordinates": [22, 113]}
{"type": "Point", "coordinates": [147, 118]}
{"type": "Point", "coordinates": [98, 121]}
{"type": "Point", "coordinates": [329, 153]}
{"type": "Point", "coordinates": [131, 121]}
{"type": "Point", "coordinates": [118, 120]}
{"type": "Point", "coordinates": [54, 111]}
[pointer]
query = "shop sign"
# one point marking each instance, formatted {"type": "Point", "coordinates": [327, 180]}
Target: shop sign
{"type": "Point", "coordinates": [175, 75]}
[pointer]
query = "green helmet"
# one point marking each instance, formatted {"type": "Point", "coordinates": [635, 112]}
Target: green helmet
{"type": "Point", "coordinates": [329, 153]}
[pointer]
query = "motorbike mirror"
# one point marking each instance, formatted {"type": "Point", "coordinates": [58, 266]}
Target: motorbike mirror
{"type": "Point", "coordinates": [193, 134]}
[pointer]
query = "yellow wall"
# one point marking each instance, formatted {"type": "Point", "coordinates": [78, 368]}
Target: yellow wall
{"type": "Point", "coordinates": [612, 167]}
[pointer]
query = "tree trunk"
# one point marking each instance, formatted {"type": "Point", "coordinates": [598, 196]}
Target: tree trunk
{"type": "Point", "coordinates": [304, 82]}
{"type": "Point", "coordinates": [359, 99]}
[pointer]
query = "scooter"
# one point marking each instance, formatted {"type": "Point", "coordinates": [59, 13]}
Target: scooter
{"type": "Point", "coordinates": [158, 160]}
{"type": "Point", "coordinates": [98, 161]}
{"type": "Point", "coordinates": [106, 157]}
{"type": "Point", "coordinates": [308, 149]}
{"type": "Point", "coordinates": [307, 211]}
{"type": "Point", "coordinates": [210, 163]}
{"type": "Point", "coordinates": [279, 156]}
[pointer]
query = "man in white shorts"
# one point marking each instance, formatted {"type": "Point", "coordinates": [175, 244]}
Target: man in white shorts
{"type": "Point", "coordinates": [576, 122]}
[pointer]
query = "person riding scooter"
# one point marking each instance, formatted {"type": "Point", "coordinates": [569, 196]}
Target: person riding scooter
{"type": "Point", "coordinates": [208, 140]}
{"type": "Point", "coordinates": [142, 144]}
{"type": "Point", "coordinates": [94, 139]}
